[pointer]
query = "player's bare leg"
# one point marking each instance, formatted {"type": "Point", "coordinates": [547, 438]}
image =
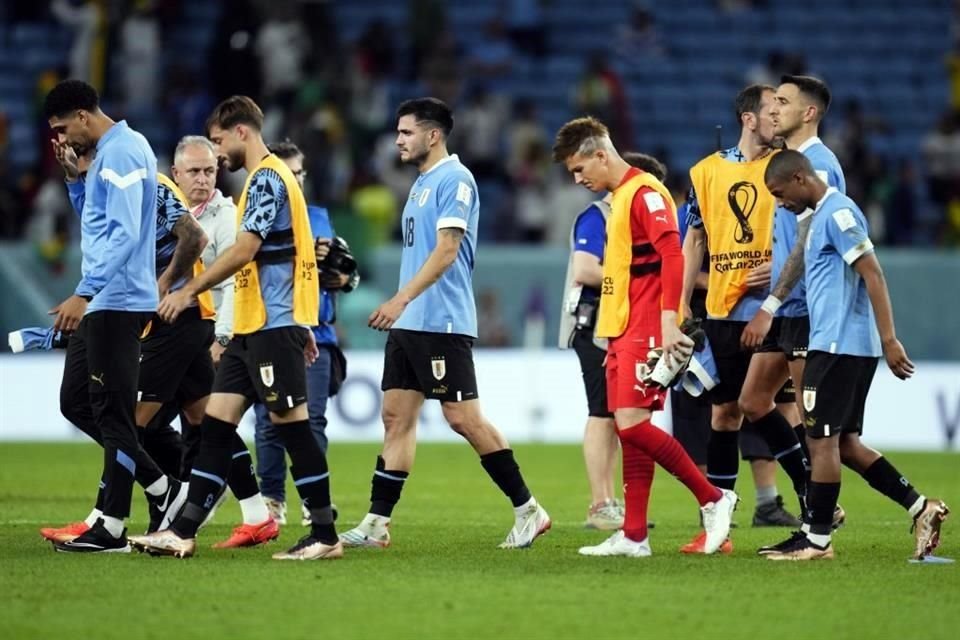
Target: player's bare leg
{"type": "Point", "coordinates": [600, 448]}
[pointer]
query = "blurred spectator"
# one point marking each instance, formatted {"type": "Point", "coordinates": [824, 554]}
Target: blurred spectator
{"type": "Point", "coordinates": [532, 194]}
{"type": "Point", "coordinates": [282, 46]}
{"type": "Point", "coordinates": [524, 130]}
{"type": "Point", "coordinates": [953, 71]}
{"type": "Point", "coordinates": [491, 59]}
{"type": "Point", "coordinates": [375, 49]}
{"type": "Point", "coordinates": [493, 330]}
{"type": "Point", "coordinates": [441, 71]}
{"type": "Point", "coordinates": [189, 102]}
{"type": "Point", "coordinates": [49, 228]}
{"type": "Point", "coordinates": [777, 65]}
{"type": "Point", "coordinates": [85, 18]}
{"type": "Point", "coordinates": [232, 53]}
{"type": "Point", "coordinates": [901, 210]}
{"type": "Point", "coordinates": [639, 38]}
{"type": "Point", "coordinates": [941, 154]}
{"type": "Point", "coordinates": [526, 27]}
{"type": "Point", "coordinates": [426, 23]}
{"type": "Point", "coordinates": [600, 93]}
{"type": "Point", "coordinates": [140, 56]}
{"type": "Point", "coordinates": [477, 134]}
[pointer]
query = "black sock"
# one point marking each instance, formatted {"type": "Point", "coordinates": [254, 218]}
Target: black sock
{"type": "Point", "coordinates": [505, 472]}
{"type": "Point", "coordinates": [821, 502]}
{"type": "Point", "coordinates": [162, 443]}
{"type": "Point", "coordinates": [242, 480]}
{"type": "Point", "coordinates": [385, 489]}
{"type": "Point", "coordinates": [801, 432]}
{"type": "Point", "coordinates": [208, 476]}
{"type": "Point", "coordinates": [723, 458]}
{"type": "Point", "coordinates": [884, 477]}
{"type": "Point", "coordinates": [191, 446]}
{"type": "Point", "coordinates": [782, 440]}
{"type": "Point", "coordinates": [311, 476]}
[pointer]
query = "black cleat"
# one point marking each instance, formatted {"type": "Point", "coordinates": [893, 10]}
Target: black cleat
{"type": "Point", "coordinates": [774, 515]}
{"type": "Point", "coordinates": [96, 540]}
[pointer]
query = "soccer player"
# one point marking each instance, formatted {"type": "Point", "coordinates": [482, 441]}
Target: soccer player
{"type": "Point", "coordinates": [577, 324]}
{"type": "Point", "coordinates": [639, 301]}
{"type": "Point", "coordinates": [851, 326]}
{"type": "Point", "coordinates": [271, 461]}
{"type": "Point", "coordinates": [113, 302]}
{"type": "Point", "coordinates": [432, 323]}
{"type": "Point", "coordinates": [780, 328]}
{"type": "Point", "coordinates": [731, 213]}
{"type": "Point", "coordinates": [275, 298]}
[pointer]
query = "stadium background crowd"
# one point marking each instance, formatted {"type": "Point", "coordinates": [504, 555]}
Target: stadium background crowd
{"type": "Point", "coordinates": [328, 73]}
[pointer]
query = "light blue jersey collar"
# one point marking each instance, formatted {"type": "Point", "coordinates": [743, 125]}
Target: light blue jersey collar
{"type": "Point", "coordinates": [450, 158]}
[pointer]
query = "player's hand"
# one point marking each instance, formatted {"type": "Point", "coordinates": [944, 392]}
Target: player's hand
{"type": "Point", "coordinates": [756, 330]}
{"type": "Point", "coordinates": [386, 314]}
{"type": "Point", "coordinates": [759, 277]}
{"type": "Point", "coordinates": [216, 352]}
{"type": "Point", "coordinates": [67, 158]}
{"type": "Point", "coordinates": [69, 313]}
{"type": "Point", "coordinates": [676, 345]}
{"type": "Point", "coordinates": [163, 286]}
{"type": "Point", "coordinates": [310, 350]}
{"type": "Point", "coordinates": [333, 280]}
{"type": "Point", "coordinates": [897, 359]}
{"type": "Point", "coordinates": [173, 304]}
{"type": "Point", "coordinates": [322, 249]}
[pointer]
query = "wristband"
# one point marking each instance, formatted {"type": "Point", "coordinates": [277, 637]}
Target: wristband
{"type": "Point", "coordinates": [771, 304]}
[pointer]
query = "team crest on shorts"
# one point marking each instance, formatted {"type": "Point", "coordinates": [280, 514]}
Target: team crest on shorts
{"type": "Point", "coordinates": [809, 399]}
{"type": "Point", "coordinates": [266, 374]}
{"type": "Point", "coordinates": [642, 370]}
{"type": "Point", "coordinates": [438, 366]}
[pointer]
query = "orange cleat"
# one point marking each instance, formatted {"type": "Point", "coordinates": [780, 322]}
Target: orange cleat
{"type": "Point", "coordinates": [65, 534]}
{"type": "Point", "coordinates": [696, 545]}
{"type": "Point", "coordinates": [250, 535]}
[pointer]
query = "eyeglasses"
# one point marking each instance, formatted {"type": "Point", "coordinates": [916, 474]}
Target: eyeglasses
{"type": "Point", "coordinates": [301, 173]}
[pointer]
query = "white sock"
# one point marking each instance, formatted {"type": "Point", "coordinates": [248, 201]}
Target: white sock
{"type": "Point", "coordinates": [520, 512]}
{"type": "Point", "coordinates": [818, 539]}
{"type": "Point", "coordinates": [158, 487]}
{"type": "Point", "coordinates": [766, 495]}
{"type": "Point", "coordinates": [917, 506]}
{"type": "Point", "coordinates": [114, 526]}
{"type": "Point", "coordinates": [93, 517]}
{"type": "Point", "coordinates": [254, 509]}
{"type": "Point", "coordinates": [374, 522]}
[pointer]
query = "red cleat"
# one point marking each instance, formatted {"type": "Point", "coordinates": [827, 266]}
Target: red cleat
{"type": "Point", "coordinates": [696, 545]}
{"type": "Point", "coordinates": [250, 535]}
{"type": "Point", "coordinates": [65, 534]}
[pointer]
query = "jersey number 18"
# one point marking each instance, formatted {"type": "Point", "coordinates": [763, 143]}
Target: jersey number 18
{"type": "Point", "coordinates": [408, 232]}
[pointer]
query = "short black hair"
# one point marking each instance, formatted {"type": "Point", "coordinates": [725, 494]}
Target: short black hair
{"type": "Point", "coordinates": [236, 110]}
{"type": "Point", "coordinates": [648, 163]}
{"type": "Point", "coordinates": [813, 88]}
{"type": "Point", "coordinates": [69, 96]}
{"type": "Point", "coordinates": [748, 100]}
{"type": "Point", "coordinates": [428, 110]}
{"type": "Point", "coordinates": [285, 149]}
{"type": "Point", "coordinates": [785, 164]}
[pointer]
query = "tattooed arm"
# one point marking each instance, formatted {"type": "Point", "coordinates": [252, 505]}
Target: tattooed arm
{"type": "Point", "coordinates": [191, 241]}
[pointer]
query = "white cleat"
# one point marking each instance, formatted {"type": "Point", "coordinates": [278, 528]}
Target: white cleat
{"type": "Point", "coordinates": [716, 520]}
{"type": "Point", "coordinates": [373, 531]}
{"type": "Point", "coordinates": [619, 545]}
{"type": "Point", "coordinates": [277, 510]}
{"type": "Point", "coordinates": [534, 522]}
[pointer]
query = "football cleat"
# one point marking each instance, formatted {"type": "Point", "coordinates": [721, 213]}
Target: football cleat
{"type": "Point", "coordinates": [95, 540]}
{"type": "Point", "coordinates": [65, 534]}
{"type": "Point", "coordinates": [305, 519]}
{"type": "Point", "coordinates": [277, 509]}
{"type": "Point", "coordinates": [310, 548]}
{"type": "Point", "coordinates": [801, 548]}
{"type": "Point", "coordinates": [774, 515]}
{"type": "Point", "coordinates": [716, 520]}
{"type": "Point", "coordinates": [605, 516]}
{"type": "Point", "coordinates": [781, 546]}
{"type": "Point", "coordinates": [697, 545]}
{"type": "Point", "coordinates": [926, 527]}
{"type": "Point", "coordinates": [165, 543]}
{"type": "Point", "coordinates": [534, 522]}
{"type": "Point", "coordinates": [166, 507]}
{"type": "Point", "coordinates": [618, 545]}
{"type": "Point", "coordinates": [250, 535]}
{"type": "Point", "coordinates": [839, 517]}
{"type": "Point", "coordinates": [373, 531]}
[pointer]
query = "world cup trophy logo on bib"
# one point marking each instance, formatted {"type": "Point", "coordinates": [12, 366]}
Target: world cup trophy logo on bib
{"type": "Point", "coordinates": [742, 199]}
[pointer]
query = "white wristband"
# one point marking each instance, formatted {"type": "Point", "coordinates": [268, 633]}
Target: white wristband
{"type": "Point", "coordinates": [771, 304]}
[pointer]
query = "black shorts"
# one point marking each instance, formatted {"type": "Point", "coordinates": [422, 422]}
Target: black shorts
{"type": "Point", "coordinates": [835, 388]}
{"type": "Point", "coordinates": [266, 367]}
{"type": "Point", "coordinates": [788, 336]}
{"type": "Point", "coordinates": [438, 365]}
{"type": "Point", "coordinates": [594, 377]}
{"type": "Point", "coordinates": [787, 393]}
{"type": "Point", "coordinates": [732, 361]}
{"type": "Point", "coordinates": [175, 359]}
{"type": "Point", "coordinates": [691, 423]}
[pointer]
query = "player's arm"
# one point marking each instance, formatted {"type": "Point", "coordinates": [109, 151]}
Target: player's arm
{"type": "Point", "coordinates": [589, 232]}
{"type": "Point", "coordinates": [694, 248]}
{"type": "Point", "coordinates": [587, 269]}
{"type": "Point", "coordinates": [440, 259]}
{"type": "Point", "coordinates": [191, 241]}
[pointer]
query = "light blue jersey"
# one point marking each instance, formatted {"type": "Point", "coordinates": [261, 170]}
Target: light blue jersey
{"type": "Point", "coordinates": [827, 167]}
{"type": "Point", "coordinates": [118, 234]}
{"type": "Point", "coordinates": [169, 211]}
{"type": "Point", "coordinates": [841, 316]}
{"type": "Point", "coordinates": [268, 215]}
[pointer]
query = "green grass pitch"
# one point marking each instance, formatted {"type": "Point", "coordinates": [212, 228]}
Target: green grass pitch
{"type": "Point", "coordinates": [444, 576]}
